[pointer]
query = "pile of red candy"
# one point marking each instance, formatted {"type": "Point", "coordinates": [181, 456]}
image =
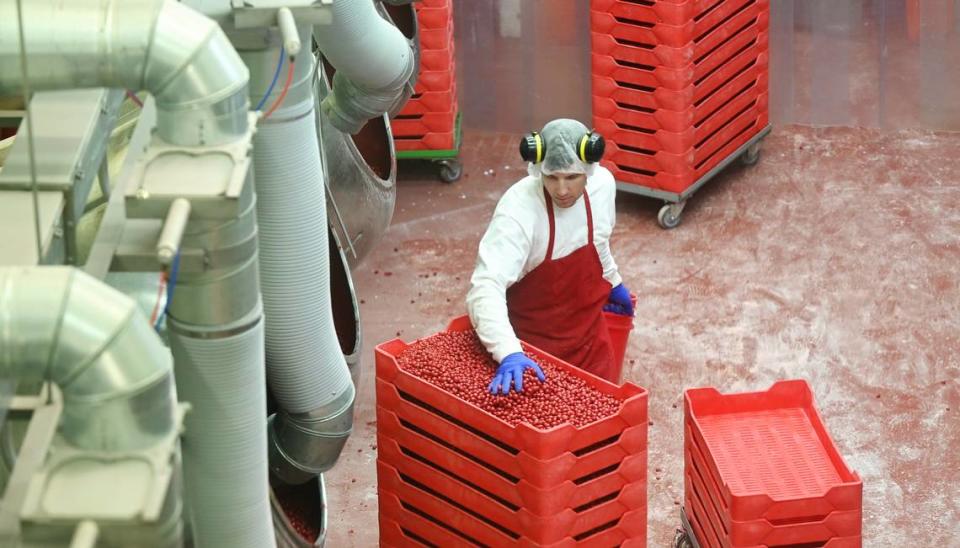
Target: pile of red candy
{"type": "Point", "coordinates": [458, 363]}
{"type": "Point", "coordinates": [301, 504]}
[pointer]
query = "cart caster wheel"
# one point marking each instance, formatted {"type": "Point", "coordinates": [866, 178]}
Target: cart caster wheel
{"type": "Point", "coordinates": [450, 171]}
{"type": "Point", "coordinates": [681, 540]}
{"type": "Point", "coordinates": [751, 156]}
{"type": "Point", "coordinates": [668, 217]}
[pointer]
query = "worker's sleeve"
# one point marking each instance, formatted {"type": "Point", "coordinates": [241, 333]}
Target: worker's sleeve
{"type": "Point", "coordinates": [503, 252]}
{"type": "Point", "coordinates": [605, 230]}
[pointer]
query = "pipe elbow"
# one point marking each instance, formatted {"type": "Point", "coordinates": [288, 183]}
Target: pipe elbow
{"type": "Point", "coordinates": [116, 376]}
{"type": "Point", "coordinates": [303, 445]}
{"type": "Point", "coordinates": [197, 77]}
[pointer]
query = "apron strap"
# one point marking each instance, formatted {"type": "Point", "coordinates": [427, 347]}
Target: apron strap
{"type": "Point", "coordinates": [586, 203]}
{"type": "Point", "coordinates": [549, 204]}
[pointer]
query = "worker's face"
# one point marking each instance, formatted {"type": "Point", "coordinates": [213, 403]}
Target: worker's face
{"type": "Point", "coordinates": [565, 188]}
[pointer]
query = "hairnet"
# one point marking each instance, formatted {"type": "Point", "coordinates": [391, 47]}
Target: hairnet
{"type": "Point", "coordinates": [561, 138]}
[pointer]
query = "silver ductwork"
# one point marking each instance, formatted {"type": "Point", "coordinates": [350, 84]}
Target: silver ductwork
{"type": "Point", "coordinates": [215, 327]}
{"type": "Point", "coordinates": [305, 367]}
{"type": "Point", "coordinates": [374, 62]}
{"type": "Point", "coordinates": [181, 57]}
{"type": "Point", "coordinates": [361, 172]}
{"type": "Point", "coordinates": [61, 325]}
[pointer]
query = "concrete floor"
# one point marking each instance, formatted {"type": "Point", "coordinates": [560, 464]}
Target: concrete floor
{"type": "Point", "coordinates": [835, 259]}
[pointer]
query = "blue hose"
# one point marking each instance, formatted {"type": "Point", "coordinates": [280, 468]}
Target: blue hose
{"type": "Point", "coordinates": [276, 76]}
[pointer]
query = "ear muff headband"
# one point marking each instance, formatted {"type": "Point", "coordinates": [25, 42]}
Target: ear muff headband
{"type": "Point", "coordinates": [590, 148]}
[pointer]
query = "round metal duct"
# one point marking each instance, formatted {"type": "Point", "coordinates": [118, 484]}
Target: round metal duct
{"type": "Point", "coordinates": [297, 508]}
{"type": "Point", "coordinates": [361, 178]}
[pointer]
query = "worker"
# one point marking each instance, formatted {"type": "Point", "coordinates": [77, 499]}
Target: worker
{"type": "Point", "coordinates": [544, 271]}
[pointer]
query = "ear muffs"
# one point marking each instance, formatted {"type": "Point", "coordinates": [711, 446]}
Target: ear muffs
{"type": "Point", "coordinates": [591, 147]}
{"type": "Point", "coordinates": [532, 148]}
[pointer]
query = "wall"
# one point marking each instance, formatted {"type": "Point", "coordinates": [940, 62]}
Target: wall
{"type": "Point", "coordinates": [873, 63]}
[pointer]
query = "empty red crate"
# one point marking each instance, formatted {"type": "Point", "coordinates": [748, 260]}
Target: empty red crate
{"type": "Point", "coordinates": [430, 141]}
{"type": "Point", "coordinates": [440, 38]}
{"type": "Point", "coordinates": [771, 453]}
{"type": "Point", "coordinates": [420, 4]}
{"type": "Point", "coordinates": [405, 524]}
{"type": "Point", "coordinates": [652, 97]}
{"type": "Point", "coordinates": [435, 17]}
{"type": "Point", "coordinates": [668, 182]}
{"type": "Point", "coordinates": [725, 65]}
{"type": "Point", "coordinates": [809, 529]}
{"type": "Point", "coordinates": [412, 479]}
{"type": "Point", "coordinates": [566, 482]}
{"type": "Point", "coordinates": [420, 124]}
{"type": "Point", "coordinates": [431, 101]}
{"type": "Point", "coordinates": [724, 17]}
{"type": "Point", "coordinates": [745, 24]}
{"type": "Point", "coordinates": [439, 80]}
{"type": "Point", "coordinates": [437, 59]}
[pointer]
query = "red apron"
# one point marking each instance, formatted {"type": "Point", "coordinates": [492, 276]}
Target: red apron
{"type": "Point", "coordinates": [558, 306]}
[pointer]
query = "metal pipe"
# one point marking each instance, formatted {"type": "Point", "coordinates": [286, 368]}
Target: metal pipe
{"type": "Point", "coordinates": [61, 325]}
{"type": "Point", "coordinates": [161, 46]}
{"type": "Point", "coordinates": [373, 59]}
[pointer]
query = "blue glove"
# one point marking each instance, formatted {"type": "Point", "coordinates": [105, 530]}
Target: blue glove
{"type": "Point", "coordinates": [511, 370]}
{"type": "Point", "coordinates": [619, 301]}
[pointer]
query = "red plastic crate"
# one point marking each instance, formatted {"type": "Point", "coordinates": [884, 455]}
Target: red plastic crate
{"type": "Point", "coordinates": [436, 39]}
{"type": "Point", "coordinates": [794, 467]}
{"type": "Point", "coordinates": [440, 80]}
{"type": "Point", "coordinates": [541, 444]}
{"type": "Point", "coordinates": [420, 4]}
{"type": "Point", "coordinates": [431, 101]}
{"type": "Point", "coordinates": [410, 479]}
{"type": "Point", "coordinates": [690, 96]}
{"type": "Point", "coordinates": [403, 524]}
{"type": "Point", "coordinates": [637, 137]}
{"type": "Point", "coordinates": [420, 124]}
{"type": "Point", "coordinates": [560, 485]}
{"type": "Point", "coordinates": [799, 530]}
{"type": "Point", "coordinates": [741, 115]}
{"type": "Point", "coordinates": [672, 13]}
{"type": "Point", "coordinates": [503, 484]}
{"type": "Point", "coordinates": [432, 141]}
{"type": "Point", "coordinates": [669, 182]}
{"type": "Point", "coordinates": [438, 59]}
{"type": "Point", "coordinates": [709, 75]}
{"type": "Point", "coordinates": [434, 17]}
{"type": "Point", "coordinates": [748, 22]}
{"type": "Point", "coordinates": [723, 18]}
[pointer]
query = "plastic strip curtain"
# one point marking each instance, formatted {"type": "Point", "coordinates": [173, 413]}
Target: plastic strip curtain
{"type": "Point", "coordinates": [871, 63]}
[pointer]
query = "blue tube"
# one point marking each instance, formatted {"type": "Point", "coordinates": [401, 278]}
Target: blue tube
{"type": "Point", "coordinates": [276, 76]}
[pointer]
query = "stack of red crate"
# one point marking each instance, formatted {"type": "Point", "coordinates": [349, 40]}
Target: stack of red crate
{"type": "Point", "coordinates": [761, 470]}
{"type": "Point", "coordinates": [428, 121]}
{"type": "Point", "coordinates": [451, 474]}
{"type": "Point", "coordinates": [678, 85]}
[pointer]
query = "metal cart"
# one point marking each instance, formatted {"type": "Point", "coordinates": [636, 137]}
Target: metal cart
{"type": "Point", "coordinates": [669, 215]}
{"type": "Point", "coordinates": [451, 169]}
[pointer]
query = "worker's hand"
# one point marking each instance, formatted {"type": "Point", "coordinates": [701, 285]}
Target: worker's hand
{"type": "Point", "coordinates": [511, 371]}
{"type": "Point", "coordinates": [619, 301]}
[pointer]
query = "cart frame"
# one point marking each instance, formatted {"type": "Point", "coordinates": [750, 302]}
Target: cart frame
{"type": "Point", "coordinates": [669, 215]}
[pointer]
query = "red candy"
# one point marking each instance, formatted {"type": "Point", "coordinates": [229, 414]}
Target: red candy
{"type": "Point", "coordinates": [457, 363]}
{"type": "Point", "coordinates": [301, 504]}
